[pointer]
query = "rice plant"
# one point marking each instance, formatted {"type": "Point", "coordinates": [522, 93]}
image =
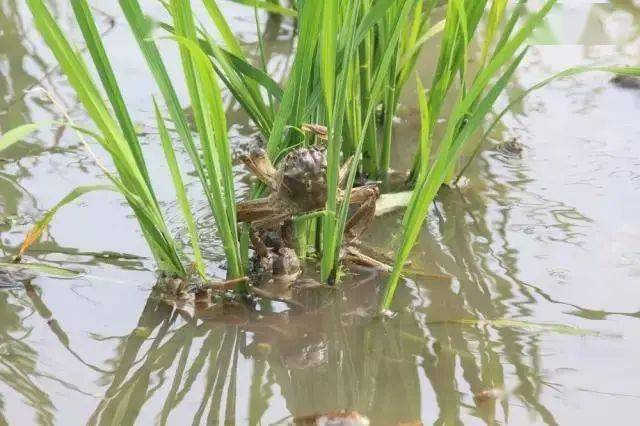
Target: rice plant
{"type": "Point", "coordinates": [469, 110]}
{"type": "Point", "coordinates": [352, 60]}
{"type": "Point", "coordinates": [115, 132]}
{"type": "Point", "coordinates": [341, 76]}
{"type": "Point", "coordinates": [360, 59]}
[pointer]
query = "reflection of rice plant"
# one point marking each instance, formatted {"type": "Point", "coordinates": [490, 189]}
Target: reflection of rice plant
{"type": "Point", "coordinates": [376, 367]}
{"type": "Point", "coordinates": [18, 363]}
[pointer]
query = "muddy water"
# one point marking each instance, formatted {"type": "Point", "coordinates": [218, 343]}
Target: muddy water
{"type": "Point", "coordinates": [528, 295]}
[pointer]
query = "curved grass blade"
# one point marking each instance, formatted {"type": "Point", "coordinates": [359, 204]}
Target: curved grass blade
{"type": "Point", "coordinates": [245, 91]}
{"type": "Point", "coordinates": [141, 28]}
{"type": "Point", "coordinates": [241, 66]}
{"type": "Point", "coordinates": [91, 35]}
{"type": "Point", "coordinates": [130, 180]}
{"type": "Point", "coordinates": [19, 133]}
{"type": "Point", "coordinates": [43, 268]}
{"type": "Point", "coordinates": [179, 186]}
{"type": "Point", "coordinates": [255, 74]}
{"type": "Point", "coordinates": [34, 233]}
{"type": "Point", "coordinates": [223, 27]}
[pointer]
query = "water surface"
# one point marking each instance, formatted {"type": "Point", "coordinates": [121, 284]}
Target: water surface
{"type": "Point", "coordinates": [529, 284]}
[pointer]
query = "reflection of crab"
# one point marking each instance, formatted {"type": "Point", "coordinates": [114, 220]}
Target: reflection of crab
{"type": "Point", "coordinates": [299, 186]}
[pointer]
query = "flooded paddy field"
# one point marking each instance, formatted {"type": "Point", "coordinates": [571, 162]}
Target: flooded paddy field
{"type": "Point", "coordinates": [524, 308]}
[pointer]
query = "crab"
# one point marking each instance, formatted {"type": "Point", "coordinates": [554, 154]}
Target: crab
{"type": "Point", "coordinates": [298, 186]}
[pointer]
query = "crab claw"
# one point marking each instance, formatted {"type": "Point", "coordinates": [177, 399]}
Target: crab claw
{"type": "Point", "coordinates": [258, 162]}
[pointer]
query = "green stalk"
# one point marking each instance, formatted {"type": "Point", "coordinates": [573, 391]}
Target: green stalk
{"type": "Point", "coordinates": [332, 240]}
{"type": "Point", "coordinates": [206, 101]}
{"type": "Point", "coordinates": [330, 249]}
{"type": "Point", "coordinates": [131, 179]}
{"type": "Point", "coordinates": [466, 117]}
{"type": "Point", "coordinates": [263, 59]}
{"type": "Point", "coordinates": [390, 104]}
{"type": "Point", "coordinates": [179, 186]}
{"type": "Point", "coordinates": [91, 35]}
{"type": "Point", "coordinates": [217, 154]}
{"type": "Point", "coordinates": [371, 158]}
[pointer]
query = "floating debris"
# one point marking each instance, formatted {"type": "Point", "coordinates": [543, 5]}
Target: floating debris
{"type": "Point", "coordinates": [388, 203]}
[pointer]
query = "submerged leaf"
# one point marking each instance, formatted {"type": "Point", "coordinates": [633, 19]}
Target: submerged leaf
{"type": "Point", "coordinates": [19, 133]}
{"type": "Point", "coordinates": [42, 268]}
{"type": "Point", "coordinates": [34, 233]}
{"type": "Point", "coordinates": [534, 327]}
{"type": "Point", "coordinates": [391, 202]}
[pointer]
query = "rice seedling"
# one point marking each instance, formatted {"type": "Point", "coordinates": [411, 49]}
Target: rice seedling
{"type": "Point", "coordinates": [17, 134]}
{"type": "Point", "coordinates": [117, 137]}
{"type": "Point", "coordinates": [468, 113]}
{"type": "Point", "coordinates": [339, 77]}
{"type": "Point", "coordinates": [352, 60]}
{"type": "Point", "coordinates": [336, 219]}
{"type": "Point", "coordinates": [360, 59]}
{"type": "Point", "coordinates": [116, 134]}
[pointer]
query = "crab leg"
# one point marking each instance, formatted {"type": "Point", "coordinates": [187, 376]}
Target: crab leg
{"type": "Point", "coordinates": [366, 197]}
{"type": "Point", "coordinates": [344, 172]}
{"type": "Point", "coordinates": [258, 245]}
{"type": "Point", "coordinates": [316, 129]}
{"type": "Point", "coordinates": [270, 222]}
{"type": "Point", "coordinates": [255, 210]}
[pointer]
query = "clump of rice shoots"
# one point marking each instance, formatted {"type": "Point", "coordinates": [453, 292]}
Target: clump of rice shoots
{"type": "Point", "coordinates": [471, 107]}
{"type": "Point", "coordinates": [211, 160]}
{"type": "Point", "coordinates": [353, 59]}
